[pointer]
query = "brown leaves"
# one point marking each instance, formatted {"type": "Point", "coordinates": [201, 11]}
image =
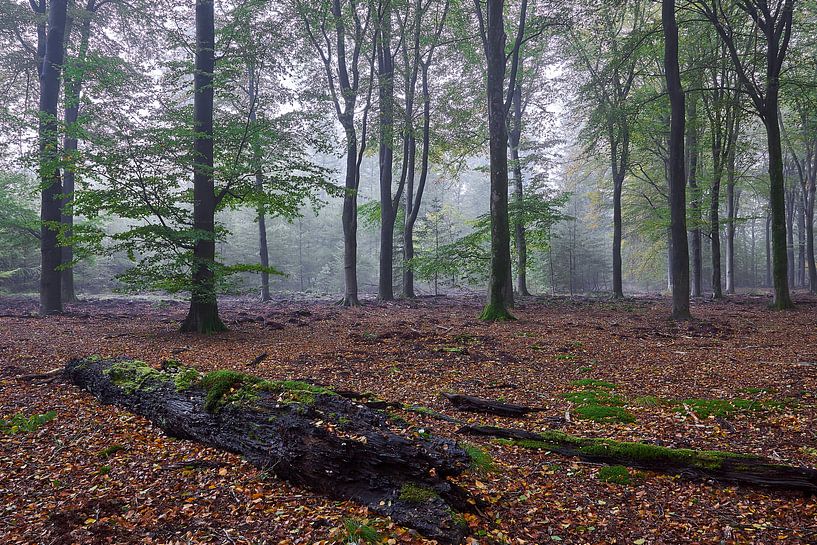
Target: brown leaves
{"type": "Point", "coordinates": [52, 488]}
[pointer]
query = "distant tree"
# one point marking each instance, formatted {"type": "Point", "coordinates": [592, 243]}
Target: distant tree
{"type": "Point", "coordinates": [773, 21]}
{"type": "Point", "coordinates": [332, 28]}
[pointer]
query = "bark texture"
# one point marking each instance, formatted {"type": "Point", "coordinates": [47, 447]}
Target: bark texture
{"type": "Point", "coordinates": [50, 214]}
{"type": "Point", "coordinates": [318, 440]}
{"type": "Point", "coordinates": [696, 464]}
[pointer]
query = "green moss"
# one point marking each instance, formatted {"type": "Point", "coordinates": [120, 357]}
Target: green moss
{"type": "Point", "coordinates": [585, 369]}
{"type": "Point", "coordinates": [481, 461]}
{"type": "Point", "coordinates": [624, 451]}
{"type": "Point", "coordinates": [593, 383]}
{"type": "Point", "coordinates": [415, 493]}
{"type": "Point", "coordinates": [109, 451]}
{"type": "Point", "coordinates": [134, 375]}
{"type": "Point", "coordinates": [649, 401]}
{"type": "Point", "coordinates": [227, 386]}
{"type": "Point", "coordinates": [186, 378]}
{"type": "Point", "coordinates": [615, 474]}
{"type": "Point", "coordinates": [604, 413]}
{"type": "Point", "coordinates": [495, 313]}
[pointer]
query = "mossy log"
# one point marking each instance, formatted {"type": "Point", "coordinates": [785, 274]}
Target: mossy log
{"type": "Point", "coordinates": [488, 406]}
{"type": "Point", "coordinates": [303, 433]}
{"type": "Point", "coordinates": [705, 464]}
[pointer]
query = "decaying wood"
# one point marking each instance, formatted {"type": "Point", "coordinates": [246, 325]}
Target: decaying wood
{"type": "Point", "coordinates": [328, 443]}
{"type": "Point", "coordinates": [488, 406]}
{"type": "Point", "coordinates": [719, 466]}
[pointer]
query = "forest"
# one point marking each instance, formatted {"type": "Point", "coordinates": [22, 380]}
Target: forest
{"type": "Point", "coordinates": [359, 272]}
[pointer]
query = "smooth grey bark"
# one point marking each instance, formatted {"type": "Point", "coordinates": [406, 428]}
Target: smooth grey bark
{"type": "Point", "coordinates": [49, 167]}
{"type": "Point", "coordinates": [203, 314]}
{"type": "Point", "coordinates": [344, 97]}
{"type": "Point", "coordinates": [732, 197]}
{"type": "Point", "coordinates": [492, 32]}
{"type": "Point", "coordinates": [677, 178]}
{"type": "Point", "coordinates": [695, 194]}
{"type": "Point", "coordinates": [515, 138]}
{"type": "Point", "coordinates": [388, 203]}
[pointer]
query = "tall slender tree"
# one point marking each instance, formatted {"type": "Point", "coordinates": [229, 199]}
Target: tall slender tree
{"type": "Point", "coordinates": [51, 254]}
{"type": "Point", "coordinates": [500, 98]}
{"type": "Point", "coordinates": [343, 78]}
{"type": "Point", "coordinates": [677, 178]}
{"type": "Point", "coordinates": [773, 21]}
{"type": "Point", "coordinates": [203, 315]}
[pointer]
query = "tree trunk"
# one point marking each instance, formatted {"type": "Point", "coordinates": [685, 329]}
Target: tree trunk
{"type": "Point", "coordinates": [618, 287]}
{"type": "Point", "coordinates": [497, 307]}
{"type": "Point", "coordinates": [388, 212]}
{"type": "Point", "coordinates": [349, 220]}
{"type": "Point", "coordinates": [801, 241]}
{"type": "Point", "coordinates": [715, 231]}
{"type": "Point", "coordinates": [698, 464]}
{"type": "Point", "coordinates": [203, 314]}
{"type": "Point", "coordinates": [810, 194]}
{"type": "Point", "coordinates": [731, 213]}
{"type": "Point", "coordinates": [73, 91]}
{"type": "Point", "coordinates": [768, 223]}
{"type": "Point", "coordinates": [263, 247]}
{"type": "Point", "coordinates": [50, 212]}
{"type": "Point", "coordinates": [306, 435]}
{"type": "Point", "coordinates": [695, 194]}
{"type": "Point", "coordinates": [777, 203]}
{"type": "Point", "coordinates": [515, 138]}
{"type": "Point", "coordinates": [677, 179]}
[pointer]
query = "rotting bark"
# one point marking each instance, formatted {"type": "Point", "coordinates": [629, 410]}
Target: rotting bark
{"type": "Point", "coordinates": [700, 464]}
{"type": "Point", "coordinates": [488, 406]}
{"type": "Point", "coordinates": [305, 434]}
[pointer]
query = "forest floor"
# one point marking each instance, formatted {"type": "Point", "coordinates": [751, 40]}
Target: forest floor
{"type": "Point", "coordinates": [98, 474]}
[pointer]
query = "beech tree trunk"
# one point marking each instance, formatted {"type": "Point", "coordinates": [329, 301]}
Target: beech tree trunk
{"type": "Point", "coordinates": [263, 247]}
{"type": "Point", "coordinates": [203, 314]}
{"type": "Point", "coordinates": [695, 194]}
{"type": "Point", "coordinates": [49, 168]}
{"type": "Point", "coordinates": [731, 212]}
{"type": "Point", "coordinates": [73, 91]}
{"type": "Point", "coordinates": [677, 179]}
{"type": "Point", "coordinates": [777, 202]}
{"type": "Point", "coordinates": [515, 138]}
{"type": "Point", "coordinates": [500, 290]}
{"type": "Point", "coordinates": [388, 210]}
{"type": "Point", "coordinates": [321, 441]}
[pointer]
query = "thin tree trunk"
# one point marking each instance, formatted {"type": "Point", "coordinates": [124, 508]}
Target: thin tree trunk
{"type": "Point", "coordinates": [801, 241]}
{"type": "Point", "coordinates": [263, 248]}
{"type": "Point", "coordinates": [73, 90]}
{"type": "Point", "coordinates": [731, 206]}
{"type": "Point", "coordinates": [715, 228]}
{"type": "Point", "coordinates": [349, 221]}
{"type": "Point", "coordinates": [680, 251]}
{"type": "Point", "coordinates": [515, 137]}
{"type": "Point", "coordinates": [695, 193]}
{"type": "Point", "coordinates": [203, 315]}
{"type": "Point", "coordinates": [51, 254]}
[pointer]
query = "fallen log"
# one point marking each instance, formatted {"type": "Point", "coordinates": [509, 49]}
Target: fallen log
{"type": "Point", "coordinates": [702, 464]}
{"type": "Point", "coordinates": [488, 406]}
{"type": "Point", "coordinates": [303, 433]}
